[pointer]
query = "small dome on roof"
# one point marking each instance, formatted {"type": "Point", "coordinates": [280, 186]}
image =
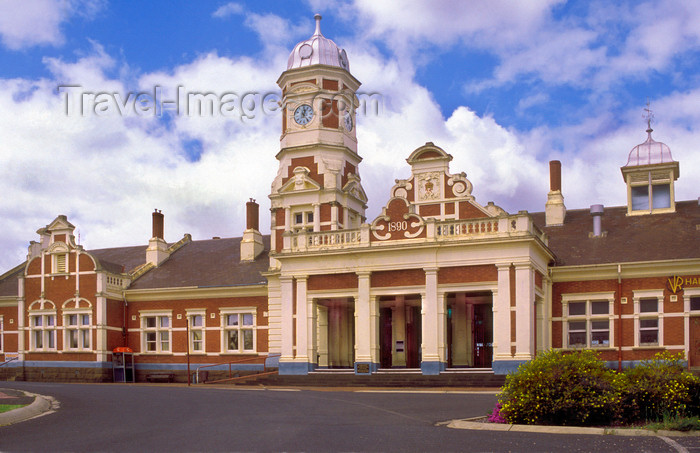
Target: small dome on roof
{"type": "Point", "coordinates": [649, 152]}
{"type": "Point", "coordinates": [318, 50]}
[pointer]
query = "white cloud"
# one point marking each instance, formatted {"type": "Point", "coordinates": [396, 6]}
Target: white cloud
{"type": "Point", "coordinates": [229, 9]}
{"type": "Point", "coordinates": [107, 174]}
{"type": "Point", "coordinates": [26, 23]}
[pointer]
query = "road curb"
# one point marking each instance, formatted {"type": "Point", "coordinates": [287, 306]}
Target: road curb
{"type": "Point", "coordinates": [40, 406]}
{"type": "Point", "coordinates": [470, 423]}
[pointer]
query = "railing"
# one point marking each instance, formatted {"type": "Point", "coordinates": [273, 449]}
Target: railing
{"type": "Point", "coordinates": [517, 225]}
{"type": "Point", "coordinates": [326, 239]}
{"type": "Point", "coordinates": [461, 228]}
{"type": "Point", "coordinates": [230, 370]}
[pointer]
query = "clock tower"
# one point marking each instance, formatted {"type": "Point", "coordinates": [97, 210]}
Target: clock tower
{"type": "Point", "coordinates": [317, 187]}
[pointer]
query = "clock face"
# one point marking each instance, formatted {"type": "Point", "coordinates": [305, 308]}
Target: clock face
{"type": "Point", "coordinates": [348, 121]}
{"type": "Point", "coordinates": [303, 114]}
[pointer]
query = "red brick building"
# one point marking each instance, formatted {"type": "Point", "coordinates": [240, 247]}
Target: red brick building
{"type": "Point", "coordinates": [436, 282]}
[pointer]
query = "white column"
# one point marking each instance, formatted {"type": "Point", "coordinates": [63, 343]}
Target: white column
{"type": "Point", "coordinates": [317, 217]}
{"type": "Point", "coordinates": [430, 324]}
{"type": "Point", "coordinates": [442, 328]}
{"type": "Point", "coordinates": [287, 293]}
{"type": "Point", "coordinates": [273, 230]}
{"type": "Point", "coordinates": [501, 315]}
{"type": "Point", "coordinates": [346, 217]}
{"type": "Point", "coordinates": [20, 318]}
{"type": "Point", "coordinates": [101, 321]}
{"type": "Point", "coordinates": [287, 219]}
{"type": "Point", "coordinates": [363, 325]}
{"type": "Point", "coordinates": [374, 324]}
{"type": "Point", "coordinates": [334, 216]}
{"type": "Point", "coordinates": [312, 335]}
{"type": "Point", "coordinates": [322, 332]}
{"type": "Point", "coordinates": [524, 311]}
{"type": "Point", "coordinates": [302, 322]}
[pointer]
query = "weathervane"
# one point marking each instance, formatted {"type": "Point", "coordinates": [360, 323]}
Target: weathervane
{"type": "Point", "coordinates": [648, 115]}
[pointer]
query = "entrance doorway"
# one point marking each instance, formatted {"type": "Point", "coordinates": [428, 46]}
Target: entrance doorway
{"type": "Point", "coordinates": [335, 333]}
{"type": "Point", "coordinates": [400, 331]}
{"type": "Point", "coordinates": [469, 330]}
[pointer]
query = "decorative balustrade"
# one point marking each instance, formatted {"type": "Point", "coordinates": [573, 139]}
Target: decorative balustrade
{"type": "Point", "coordinates": [517, 225]}
{"type": "Point", "coordinates": [463, 228]}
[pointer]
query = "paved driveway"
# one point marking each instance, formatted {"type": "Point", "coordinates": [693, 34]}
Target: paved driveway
{"type": "Point", "coordinates": [124, 417]}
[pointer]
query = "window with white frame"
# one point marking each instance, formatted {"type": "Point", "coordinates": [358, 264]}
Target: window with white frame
{"type": "Point", "coordinates": [238, 330]}
{"type": "Point", "coordinates": [76, 331]}
{"type": "Point", "coordinates": [155, 332]}
{"type": "Point", "coordinates": [197, 321]}
{"type": "Point", "coordinates": [304, 221]}
{"type": "Point", "coordinates": [2, 333]}
{"type": "Point", "coordinates": [42, 327]}
{"type": "Point", "coordinates": [588, 320]}
{"type": "Point", "coordinates": [694, 303]}
{"type": "Point", "coordinates": [648, 317]}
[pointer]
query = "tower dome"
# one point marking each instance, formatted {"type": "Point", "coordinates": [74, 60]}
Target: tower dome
{"type": "Point", "coordinates": [650, 152]}
{"type": "Point", "coordinates": [318, 50]}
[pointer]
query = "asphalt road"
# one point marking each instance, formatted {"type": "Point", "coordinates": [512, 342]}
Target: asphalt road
{"type": "Point", "coordinates": [128, 417]}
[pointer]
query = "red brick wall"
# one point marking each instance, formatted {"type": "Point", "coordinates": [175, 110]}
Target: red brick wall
{"type": "Point", "coordinates": [330, 84]}
{"type": "Point", "coordinates": [212, 337]}
{"type": "Point", "coordinates": [307, 162]}
{"type": "Point", "coordinates": [429, 209]}
{"type": "Point", "coordinates": [406, 277]}
{"type": "Point", "coordinates": [334, 281]}
{"type": "Point", "coordinates": [466, 274]}
{"type": "Point", "coordinates": [674, 331]}
{"type": "Point", "coordinates": [329, 114]}
{"type": "Point", "coordinates": [325, 212]}
{"type": "Point", "coordinates": [469, 211]}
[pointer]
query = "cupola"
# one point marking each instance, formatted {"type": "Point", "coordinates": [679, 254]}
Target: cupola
{"type": "Point", "coordinates": [318, 50]}
{"type": "Point", "coordinates": [649, 174]}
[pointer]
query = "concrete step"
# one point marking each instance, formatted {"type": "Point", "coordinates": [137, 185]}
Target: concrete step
{"type": "Point", "coordinates": [336, 379]}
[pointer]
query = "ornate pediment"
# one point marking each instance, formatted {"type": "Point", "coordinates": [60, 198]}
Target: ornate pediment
{"type": "Point", "coordinates": [300, 181]}
{"type": "Point", "coordinates": [60, 223]}
{"type": "Point", "coordinates": [354, 188]}
{"type": "Point", "coordinates": [398, 221]}
{"type": "Point", "coordinates": [58, 247]}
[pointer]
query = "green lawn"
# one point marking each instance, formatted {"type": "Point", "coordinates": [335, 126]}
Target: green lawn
{"type": "Point", "coordinates": [9, 407]}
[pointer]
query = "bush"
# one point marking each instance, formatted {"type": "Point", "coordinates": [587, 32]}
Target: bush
{"type": "Point", "coordinates": [560, 389]}
{"type": "Point", "coordinates": [658, 389]}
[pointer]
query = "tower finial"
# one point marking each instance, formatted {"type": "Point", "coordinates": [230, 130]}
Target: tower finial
{"type": "Point", "coordinates": [318, 24]}
{"type": "Point", "coordinates": [649, 116]}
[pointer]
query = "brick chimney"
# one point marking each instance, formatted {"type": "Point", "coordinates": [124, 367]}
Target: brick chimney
{"type": "Point", "coordinates": [157, 250]}
{"type": "Point", "coordinates": [251, 244]}
{"type": "Point", "coordinates": [554, 209]}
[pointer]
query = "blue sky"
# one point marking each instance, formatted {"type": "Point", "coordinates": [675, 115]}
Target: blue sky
{"type": "Point", "coordinates": [502, 86]}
